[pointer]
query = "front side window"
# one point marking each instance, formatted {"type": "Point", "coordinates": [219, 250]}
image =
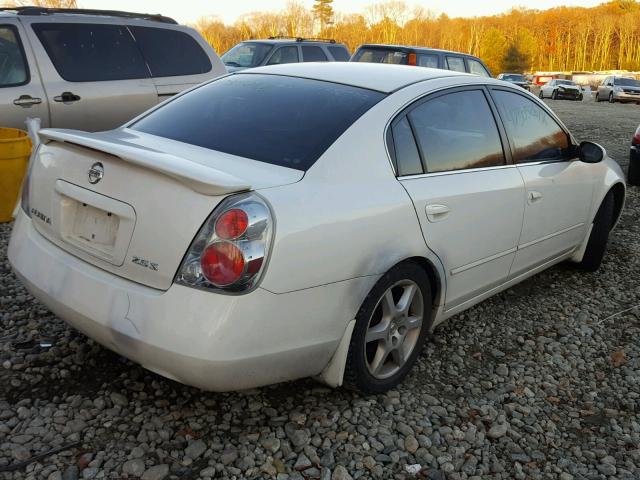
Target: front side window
{"type": "Point", "coordinates": [284, 55]}
{"type": "Point", "coordinates": [247, 55]}
{"type": "Point", "coordinates": [275, 119]}
{"type": "Point", "coordinates": [313, 54]}
{"type": "Point", "coordinates": [457, 131]}
{"type": "Point", "coordinates": [83, 52]}
{"type": "Point", "coordinates": [13, 65]}
{"type": "Point", "coordinates": [340, 54]}
{"type": "Point", "coordinates": [171, 53]}
{"type": "Point", "coordinates": [456, 64]}
{"type": "Point", "coordinates": [535, 135]}
{"type": "Point", "coordinates": [428, 60]}
{"type": "Point", "coordinates": [476, 68]}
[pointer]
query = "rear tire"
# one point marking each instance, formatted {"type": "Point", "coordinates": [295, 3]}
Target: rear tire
{"type": "Point", "coordinates": [540, 94]}
{"type": "Point", "coordinates": [597, 244]}
{"type": "Point", "coordinates": [597, 98]}
{"type": "Point", "coordinates": [391, 327]}
{"type": "Point", "coordinates": [633, 174]}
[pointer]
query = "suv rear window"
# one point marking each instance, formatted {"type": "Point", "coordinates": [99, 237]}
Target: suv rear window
{"type": "Point", "coordinates": [380, 55]}
{"type": "Point", "coordinates": [280, 120]}
{"type": "Point", "coordinates": [83, 52]}
{"type": "Point", "coordinates": [340, 54]}
{"type": "Point", "coordinates": [171, 53]}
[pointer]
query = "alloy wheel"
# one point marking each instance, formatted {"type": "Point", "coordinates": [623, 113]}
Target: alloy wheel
{"type": "Point", "coordinates": [394, 329]}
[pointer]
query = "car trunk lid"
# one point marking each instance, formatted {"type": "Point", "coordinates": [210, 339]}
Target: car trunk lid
{"type": "Point", "coordinates": [131, 203]}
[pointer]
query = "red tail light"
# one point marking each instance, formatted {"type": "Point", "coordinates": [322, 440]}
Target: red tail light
{"type": "Point", "coordinates": [412, 59]}
{"type": "Point", "coordinates": [222, 263]}
{"type": "Point", "coordinates": [228, 252]}
{"type": "Point", "coordinates": [636, 137]}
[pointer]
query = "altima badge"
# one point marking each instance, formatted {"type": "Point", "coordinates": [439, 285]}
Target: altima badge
{"type": "Point", "coordinates": [96, 172]}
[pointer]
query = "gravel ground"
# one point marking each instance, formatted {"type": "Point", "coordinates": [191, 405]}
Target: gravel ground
{"type": "Point", "coordinates": [541, 381]}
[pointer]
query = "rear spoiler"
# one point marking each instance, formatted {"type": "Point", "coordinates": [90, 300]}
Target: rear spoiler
{"type": "Point", "coordinates": [198, 177]}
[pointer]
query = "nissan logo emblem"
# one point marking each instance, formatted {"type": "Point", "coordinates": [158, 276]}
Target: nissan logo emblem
{"type": "Point", "coordinates": [96, 172]}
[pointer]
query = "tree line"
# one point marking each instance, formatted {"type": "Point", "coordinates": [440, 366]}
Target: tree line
{"type": "Point", "coordinates": [604, 37]}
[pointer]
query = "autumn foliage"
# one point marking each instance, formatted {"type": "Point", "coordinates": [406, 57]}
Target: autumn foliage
{"type": "Point", "coordinates": [564, 38]}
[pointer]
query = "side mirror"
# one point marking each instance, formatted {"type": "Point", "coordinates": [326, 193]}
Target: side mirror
{"type": "Point", "coordinates": [590, 152]}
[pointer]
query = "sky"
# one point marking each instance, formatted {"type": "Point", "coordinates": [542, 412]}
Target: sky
{"type": "Point", "coordinates": [188, 11]}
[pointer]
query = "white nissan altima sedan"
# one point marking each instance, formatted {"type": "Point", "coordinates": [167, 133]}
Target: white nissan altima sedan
{"type": "Point", "coordinates": [306, 220]}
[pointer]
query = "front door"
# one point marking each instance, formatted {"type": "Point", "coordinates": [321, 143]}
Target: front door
{"type": "Point", "coordinates": [94, 74]}
{"type": "Point", "coordinates": [558, 186]}
{"type": "Point", "coordinates": [21, 93]}
{"type": "Point", "coordinates": [469, 201]}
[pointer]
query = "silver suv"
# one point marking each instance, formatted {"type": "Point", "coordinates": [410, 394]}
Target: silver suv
{"type": "Point", "coordinates": [276, 50]}
{"type": "Point", "coordinates": [94, 69]}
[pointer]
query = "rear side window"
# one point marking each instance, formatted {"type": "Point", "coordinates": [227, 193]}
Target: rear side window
{"type": "Point", "coordinates": [476, 68]}
{"type": "Point", "coordinates": [83, 52]}
{"type": "Point", "coordinates": [535, 134]}
{"type": "Point", "coordinates": [457, 131]}
{"type": "Point", "coordinates": [340, 54]}
{"type": "Point", "coordinates": [13, 66]}
{"type": "Point", "coordinates": [380, 55]}
{"type": "Point", "coordinates": [280, 120]}
{"type": "Point", "coordinates": [171, 53]}
{"type": "Point", "coordinates": [456, 64]}
{"type": "Point", "coordinates": [313, 54]}
{"type": "Point", "coordinates": [428, 60]}
{"type": "Point", "coordinates": [284, 55]}
{"type": "Point", "coordinates": [406, 150]}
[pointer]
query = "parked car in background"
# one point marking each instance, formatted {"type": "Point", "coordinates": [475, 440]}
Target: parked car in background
{"type": "Point", "coordinates": [279, 263]}
{"type": "Point", "coordinates": [558, 89]}
{"type": "Point", "coordinates": [421, 57]}
{"type": "Point", "coordinates": [633, 174]}
{"type": "Point", "coordinates": [618, 89]}
{"type": "Point", "coordinates": [277, 50]}
{"type": "Point", "coordinates": [94, 69]}
{"type": "Point", "coordinates": [516, 79]}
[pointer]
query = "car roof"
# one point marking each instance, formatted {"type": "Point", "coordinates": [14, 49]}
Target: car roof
{"type": "Point", "coordinates": [373, 76]}
{"type": "Point", "coordinates": [411, 47]}
{"type": "Point", "coordinates": [83, 13]}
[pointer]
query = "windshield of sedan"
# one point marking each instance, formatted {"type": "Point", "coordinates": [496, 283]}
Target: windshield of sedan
{"type": "Point", "coordinates": [514, 77]}
{"type": "Point", "coordinates": [565, 82]}
{"type": "Point", "coordinates": [246, 55]}
{"type": "Point", "coordinates": [627, 82]}
{"type": "Point", "coordinates": [286, 121]}
{"type": "Point", "coordinates": [380, 55]}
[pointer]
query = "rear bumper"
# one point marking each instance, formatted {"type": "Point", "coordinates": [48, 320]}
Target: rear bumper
{"type": "Point", "coordinates": [208, 340]}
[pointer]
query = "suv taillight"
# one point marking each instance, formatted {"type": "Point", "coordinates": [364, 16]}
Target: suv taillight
{"type": "Point", "coordinates": [230, 250]}
{"type": "Point", "coordinates": [412, 59]}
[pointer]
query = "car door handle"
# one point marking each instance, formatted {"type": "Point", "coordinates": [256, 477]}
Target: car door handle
{"type": "Point", "coordinates": [534, 196]}
{"type": "Point", "coordinates": [26, 101]}
{"type": "Point", "coordinates": [436, 212]}
{"type": "Point", "coordinates": [66, 97]}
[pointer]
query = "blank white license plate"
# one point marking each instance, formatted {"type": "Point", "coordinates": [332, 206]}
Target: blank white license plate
{"type": "Point", "coordinates": [95, 227]}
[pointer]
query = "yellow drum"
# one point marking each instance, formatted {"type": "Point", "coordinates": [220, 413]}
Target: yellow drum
{"type": "Point", "coordinates": [15, 148]}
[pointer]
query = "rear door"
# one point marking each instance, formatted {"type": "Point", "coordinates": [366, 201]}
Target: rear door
{"type": "Point", "coordinates": [21, 93]}
{"type": "Point", "coordinates": [455, 63]}
{"type": "Point", "coordinates": [313, 53]}
{"type": "Point", "coordinates": [558, 186]}
{"type": "Point", "coordinates": [177, 59]}
{"type": "Point", "coordinates": [469, 199]}
{"type": "Point", "coordinates": [284, 54]}
{"type": "Point", "coordinates": [94, 75]}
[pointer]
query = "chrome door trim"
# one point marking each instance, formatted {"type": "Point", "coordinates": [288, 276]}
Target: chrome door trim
{"type": "Point", "coordinates": [551, 235]}
{"type": "Point", "coordinates": [482, 261]}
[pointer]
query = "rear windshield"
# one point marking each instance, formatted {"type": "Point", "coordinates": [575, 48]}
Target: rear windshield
{"type": "Point", "coordinates": [627, 82]}
{"type": "Point", "coordinates": [246, 54]}
{"type": "Point", "coordinates": [380, 55]}
{"type": "Point", "coordinates": [280, 120]}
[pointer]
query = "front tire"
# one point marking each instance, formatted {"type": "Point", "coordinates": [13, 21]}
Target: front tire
{"type": "Point", "coordinates": [391, 327]}
{"type": "Point", "coordinates": [611, 99]}
{"type": "Point", "coordinates": [597, 243]}
{"type": "Point", "coordinates": [554, 95]}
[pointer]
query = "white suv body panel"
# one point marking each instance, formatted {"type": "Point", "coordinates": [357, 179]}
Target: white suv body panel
{"type": "Point", "coordinates": [103, 105]}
